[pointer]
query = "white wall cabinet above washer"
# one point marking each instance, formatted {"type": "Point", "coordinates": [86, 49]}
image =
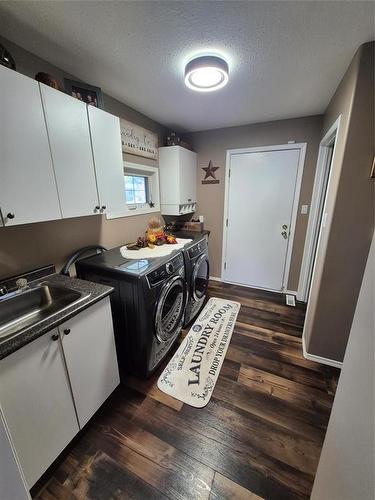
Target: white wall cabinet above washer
{"type": "Point", "coordinates": [69, 137]}
{"type": "Point", "coordinates": [178, 180]}
{"type": "Point", "coordinates": [28, 191]}
{"type": "Point", "coordinates": [107, 150]}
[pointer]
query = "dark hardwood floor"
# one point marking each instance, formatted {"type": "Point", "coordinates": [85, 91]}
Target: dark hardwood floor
{"type": "Point", "coordinates": [259, 437]}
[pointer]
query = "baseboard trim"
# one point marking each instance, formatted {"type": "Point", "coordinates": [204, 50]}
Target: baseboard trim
{"type": "Point", "coordinates": [290, 292]}
{"type": "Point", "coordinates": [319, 359]}
{"type": "Point", "coordinates": [215, 278]}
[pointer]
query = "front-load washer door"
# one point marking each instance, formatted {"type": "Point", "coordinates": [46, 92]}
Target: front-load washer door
{"type": "Point", "coordinates": [170, 308]}
{"type": "Point", "coordinates": [200, 278]}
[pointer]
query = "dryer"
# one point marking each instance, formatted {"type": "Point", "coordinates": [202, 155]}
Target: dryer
{"type": "Point", "coordinates": [197, 274]}
{"type": "Point", "coordinates": [148, 305]}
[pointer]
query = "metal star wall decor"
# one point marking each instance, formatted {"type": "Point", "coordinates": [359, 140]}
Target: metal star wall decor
{"type": "Point", "coordinates": [210, 172]}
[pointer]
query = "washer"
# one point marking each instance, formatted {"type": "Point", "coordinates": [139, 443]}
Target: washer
{"type": "Point", "coordinates": [197, 274]}
{"type": "Point", "coordinates": [148, 305]}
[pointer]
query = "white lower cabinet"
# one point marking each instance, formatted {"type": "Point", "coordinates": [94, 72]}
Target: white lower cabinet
{"type": "Point", "coordinates": [90, 354]}
{"type": "Point", "coordinates": [37, 404]}
{"type": "Point", "coordinates": [13, 485]}
{"type": "Point", "coordinates": [51, 387]}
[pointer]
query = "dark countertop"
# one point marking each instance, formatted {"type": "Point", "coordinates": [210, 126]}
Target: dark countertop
{"type": "Point", "coordinates": [193, 235]}
{"type": "Point", "coordinates": [96, 291]}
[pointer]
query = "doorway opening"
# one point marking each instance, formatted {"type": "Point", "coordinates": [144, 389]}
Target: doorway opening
{"type": "Point", "coordinates": [317, 209]}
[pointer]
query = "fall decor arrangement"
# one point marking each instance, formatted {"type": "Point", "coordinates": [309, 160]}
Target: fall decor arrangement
{"type": "Point", "coordinates": [154, 236]}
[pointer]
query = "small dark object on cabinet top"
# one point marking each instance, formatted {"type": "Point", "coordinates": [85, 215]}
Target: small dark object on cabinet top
{"type": "Point", "coordinates": [6, 58]}
{"type": "Point", "coordinates": [48, 80]}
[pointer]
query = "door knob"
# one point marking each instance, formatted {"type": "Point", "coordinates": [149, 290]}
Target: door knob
{"type": "Point", "coordinates": [54, 337]}
{"type": "Point", "coordinates": [284, 226]}
{"type": "Point", "coordinates": [96, 208]}
{"type": "Point", "coordinates": [66, 331]}
{"type": "Point", "coordinates": [10, 216]}
{"type": "Point", "coordinates": [284, 234]}
{"type": "Point", "coordinates": [103, 208]}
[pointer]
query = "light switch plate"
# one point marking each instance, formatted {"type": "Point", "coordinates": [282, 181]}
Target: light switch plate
{"type": "Point", "coordinates": [304, 209]}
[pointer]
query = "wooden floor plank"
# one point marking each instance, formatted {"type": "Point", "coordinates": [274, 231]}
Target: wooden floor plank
{"type": "Point", "coordinates": [224, 489]}
{"type": "Point", "coordinates": [284, 389]}
{"type": "Point", "coordinates": [259, 437]}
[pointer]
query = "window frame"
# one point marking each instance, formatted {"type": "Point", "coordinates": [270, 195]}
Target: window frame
{"type": "Point", "coordinates": [152, 174]}
{"type": "Point", "coordinates": [147, 190]}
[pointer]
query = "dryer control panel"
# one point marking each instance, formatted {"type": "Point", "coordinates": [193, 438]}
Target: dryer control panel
{"type": "Point", "coordinates": [166, 270]}
{"type": "Point", "coordinates": [198, 249]}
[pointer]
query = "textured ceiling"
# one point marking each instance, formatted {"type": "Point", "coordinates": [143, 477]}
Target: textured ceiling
{"type": "Point", "coordinates": [286, 58]}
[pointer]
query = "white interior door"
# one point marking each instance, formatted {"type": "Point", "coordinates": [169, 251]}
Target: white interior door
{"type": "Point", "coordinates": [261, 194]}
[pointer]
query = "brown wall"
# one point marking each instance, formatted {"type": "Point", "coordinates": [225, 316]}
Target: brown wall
{"type": "Point", "coordinates": [213, 144]}
{"type": "Point", "coordinates": [345, 241]}
{"type": "Point", "coordinates": [28, 246]}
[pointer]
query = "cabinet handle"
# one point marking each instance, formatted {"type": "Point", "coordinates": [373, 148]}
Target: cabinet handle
{"type": "Point", "coordinates": [54, 337]}
{"type": "Point", "coordinates": [103, 207]}
{"type": "Point", "coordinates": [96, 208]}
{"type": "Point", "coordinates": [10, 216]}
{"type": "Point", "coordinates": [189, 199]}
{"type": "Point", "coordinates": [66, 331]}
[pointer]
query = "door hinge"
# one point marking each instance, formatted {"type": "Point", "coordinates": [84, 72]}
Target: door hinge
{"type": "Point", "coordinates": [226, 222]}
{"type": "Point", "coordinates": [225, 265]}
{"type": "Point", "coordinates": [229, 174]}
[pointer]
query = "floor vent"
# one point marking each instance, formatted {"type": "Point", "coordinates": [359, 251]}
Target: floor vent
{"type": "Point", "coordinates": [290, 300]}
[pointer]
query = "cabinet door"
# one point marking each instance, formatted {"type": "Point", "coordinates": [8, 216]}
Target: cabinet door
{"type": "Point", "coordinates": [188, 176]}
{"type": "Point", "coordinates": [11, 480]}
{"type": "Point", "coordinates": [90, 354]}
{"type": "Point", "coordinates": [27, 182]}
{"type": "Point", "coordinates": [69, 136]}
{"type": "Point", "coordinates": [37, 404]}
{"type": "Point", "coordinates": [107, 151]}
{"type": "Point", "coordinates": [169, 175]}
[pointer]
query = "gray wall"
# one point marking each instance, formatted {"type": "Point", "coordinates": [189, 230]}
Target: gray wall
{"type": "Point", "coordinates": [346, 466]}
{"type": "Point", "coordinates": [344, 242]}
{"type": "Point", "coordinates": [213, 144]}
{"type": "Point", "coordinates": [28, 246]}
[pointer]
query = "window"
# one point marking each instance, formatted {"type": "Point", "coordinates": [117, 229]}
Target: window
{"type": "Point", "coordinates": [141, 191]}
{"type": "Point", "coordinates": [136, 189]}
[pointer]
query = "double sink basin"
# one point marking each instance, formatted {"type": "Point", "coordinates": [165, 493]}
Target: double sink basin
{"type": "Point", "coordinates": [24, 309]}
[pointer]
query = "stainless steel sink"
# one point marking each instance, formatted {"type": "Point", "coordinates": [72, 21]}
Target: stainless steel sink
{"type": "Point", "coordinates": [23, 309]}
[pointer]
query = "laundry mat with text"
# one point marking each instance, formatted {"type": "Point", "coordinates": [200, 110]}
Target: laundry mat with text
{"type": "Point", "coordinates": [191, 374]}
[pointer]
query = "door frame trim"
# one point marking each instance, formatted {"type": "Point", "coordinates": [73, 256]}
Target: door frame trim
{"type": "Point", "coordinates": [301, 146]}
{"type": "Point", "coordinates": [317, 201]}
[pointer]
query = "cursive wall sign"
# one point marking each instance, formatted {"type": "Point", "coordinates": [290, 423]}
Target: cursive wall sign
{"type": "Point", "coordinates": [138, 141]}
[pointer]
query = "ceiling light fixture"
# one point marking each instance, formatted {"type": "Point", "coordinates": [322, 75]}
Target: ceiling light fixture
{"type": "Point", "coordinates": [206, 73]}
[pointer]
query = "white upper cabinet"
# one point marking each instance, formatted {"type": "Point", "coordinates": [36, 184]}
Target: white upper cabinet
{"type": "Point", "coordinates": [69, 136]}
{"type": "Point", "coordinates": [28, 190]}
{"type": "Point", "coordinates": [178, 179]}
{"type": "Point", "coordinates": [107, 151]}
